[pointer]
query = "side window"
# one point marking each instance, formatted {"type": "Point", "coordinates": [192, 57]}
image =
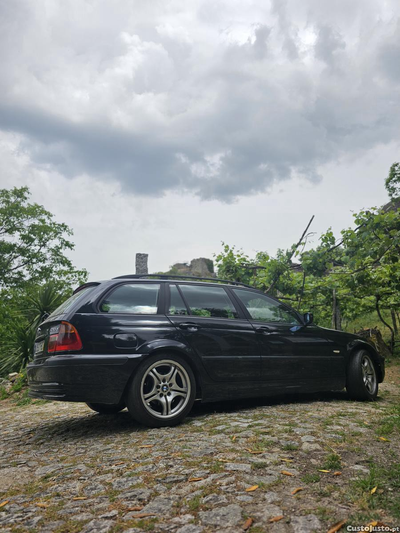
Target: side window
{"type": "Point", "coordinates": [137, 299]}
{"type": "Point", "coordinates": [264, 309]}
{"type": "Point", "coordinates": [208, 301]}
{"type": "Point", "coordinates": [176, 304]}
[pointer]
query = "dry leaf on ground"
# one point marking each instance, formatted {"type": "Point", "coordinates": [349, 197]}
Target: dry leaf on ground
{"type": "Point", "coordinates": [295, 491]}
{"type": "Point", "coordinates": [247, 524]}
{"type": "Point", "coordinates": [275, 518]}
{"type": "Point", "coordinates": [286, 473]}
{"type": "Point", "coordinates": [251, 489]}
{"type": "Point", "coordinates": [195, 479]}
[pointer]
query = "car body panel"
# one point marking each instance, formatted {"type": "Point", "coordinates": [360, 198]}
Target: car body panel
{"type": "Point", "coordinates": [228, 356]}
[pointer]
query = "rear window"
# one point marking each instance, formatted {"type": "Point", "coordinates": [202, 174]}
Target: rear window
{"type": "Point", "coordinates": [135, 298]}
{"type": "Point", "coordinates": [65, 306]}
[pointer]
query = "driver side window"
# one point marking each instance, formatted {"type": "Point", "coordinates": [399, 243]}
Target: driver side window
{"type": "Point", "coordinates": [264, 309]}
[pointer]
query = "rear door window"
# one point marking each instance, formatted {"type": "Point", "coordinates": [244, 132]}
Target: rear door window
{"type": "Point", "coordinates": [132, 298]}
{"type": "Point", "coordinates": [212, 302]}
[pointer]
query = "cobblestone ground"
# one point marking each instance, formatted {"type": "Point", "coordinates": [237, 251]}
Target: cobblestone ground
{"type": "Point", "coordinates": [230, 467]}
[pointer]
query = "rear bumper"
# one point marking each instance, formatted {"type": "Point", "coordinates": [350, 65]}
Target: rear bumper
{"type": "Point", "coordinates": [82, 378]}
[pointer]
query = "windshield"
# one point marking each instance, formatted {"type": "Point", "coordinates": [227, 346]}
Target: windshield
{"type": "Point", "coordinates": [63, 308]}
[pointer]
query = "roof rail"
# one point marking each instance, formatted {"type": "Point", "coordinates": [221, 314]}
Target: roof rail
{"type": "Point", "coordinates": [169, 276]}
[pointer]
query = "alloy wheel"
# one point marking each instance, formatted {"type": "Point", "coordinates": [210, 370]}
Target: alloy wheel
{"type": "Point", "coordinates": [165, 389]}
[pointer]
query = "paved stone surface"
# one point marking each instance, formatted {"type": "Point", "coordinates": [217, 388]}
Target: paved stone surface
{"type": "Point", "coordinates": [65, 469]}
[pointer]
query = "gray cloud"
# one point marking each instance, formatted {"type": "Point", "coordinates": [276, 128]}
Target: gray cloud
{"type": "Point", "coordinates": [214, 101]}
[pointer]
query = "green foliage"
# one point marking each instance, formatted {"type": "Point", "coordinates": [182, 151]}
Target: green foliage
{"type": "Point", "coordinates": [361, 270]}
{"type": "Point", "coordinates": [392, 182]}
{"type": "Point", "coordinates": [32, 244]}
{"type": "Point", "coordinates": [35, 274]}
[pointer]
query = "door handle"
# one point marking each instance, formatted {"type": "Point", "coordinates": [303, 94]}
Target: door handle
{"type": "Point", "coordinates": [190, 326]}
{"type": "Point", "coordinates": [264, 330]}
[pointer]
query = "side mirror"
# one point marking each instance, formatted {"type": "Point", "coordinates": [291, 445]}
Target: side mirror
{"type": "Point", "coordinates": [308, 318]}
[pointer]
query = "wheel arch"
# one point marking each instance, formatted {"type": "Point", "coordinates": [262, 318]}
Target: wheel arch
{"type": "Point", "coordinates": [172, 349]}
{"type": "Point", "coordinates": [363, 345]}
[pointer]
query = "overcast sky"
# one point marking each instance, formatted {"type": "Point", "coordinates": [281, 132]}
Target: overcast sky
{"type": "Point", "coordinates": [167, 127]}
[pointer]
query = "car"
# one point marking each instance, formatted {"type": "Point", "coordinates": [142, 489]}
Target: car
{"type": "Point", "coordinates": [155, 344]}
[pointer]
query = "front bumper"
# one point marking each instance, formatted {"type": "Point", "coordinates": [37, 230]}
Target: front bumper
{"type": "Point", "coordinates": [82, 378]}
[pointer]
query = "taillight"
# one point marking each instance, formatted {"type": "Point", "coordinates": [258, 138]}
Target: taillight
{"type": "Point", "coordinates": [66, 338]}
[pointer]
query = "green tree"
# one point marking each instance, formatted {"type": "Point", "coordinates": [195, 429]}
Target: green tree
{"type": "Point", "coordinates": [392, 182]}
{"type": "Point", "coordinates": [32, 243]}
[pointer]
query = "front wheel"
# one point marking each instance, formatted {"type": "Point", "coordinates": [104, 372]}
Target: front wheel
{"type": "Point", "coordinates": [362, 381]}
{"type": "Point", "coordinates": [107, 409]}
{"type": "Point", "coordinates": [162, 391]}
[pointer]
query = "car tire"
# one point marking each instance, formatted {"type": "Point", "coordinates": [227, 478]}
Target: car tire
{"type": "Point", "coordinates": [162, 391]}
{"type": "Point", "coordinates": [106, 409]}
{"type": "Point", "coordinates": [362, 379]}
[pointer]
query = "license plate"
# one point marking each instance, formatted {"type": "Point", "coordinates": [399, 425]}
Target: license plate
{"type": "Point", "coordinates": [39, 347]}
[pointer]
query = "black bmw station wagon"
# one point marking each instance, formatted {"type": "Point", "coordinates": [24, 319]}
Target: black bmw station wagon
{"type": "Point", "coordinates": [155, 344]}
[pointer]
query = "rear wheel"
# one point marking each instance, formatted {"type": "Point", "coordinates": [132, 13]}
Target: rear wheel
{"type": "Point", "coordinates": [362, 381]}
{"type": "Point", "coordinates": [107, 409]}
{"type": "Point", "coordinates": [162, 391]}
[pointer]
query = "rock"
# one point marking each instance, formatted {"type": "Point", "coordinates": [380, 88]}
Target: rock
{"type": "Point", "coordinates": [214, 499]}
{"type": "Point", "coordinates": [110, 514]}
{"type": "Point", "coordinates": [190, 528]}
{"type": "Point", "coordinates": [159, 505]}
{"type": "Point", "coordinates": [12, 377]}
{"type": "Point", "coordinates": [172, 479]}
{"type": "Point", "coordinates": [360, 468]}
{"type": "Point", "coordinates": [98, 526]}
{"type": "Point", "coordinates": [222, 517]}
{"type": "Point", "coordinates": [238, 467]}
{"type": "Point", "coordinates": [138, 495]}
{"type": "Point", "coordinates": [14, 476]}
{"type": "Point", "coordinates": [310, 447]}
{"type": "Point", "coordinates": [306, 524]}
{"type": "Point", "coordinates": [268, 511]}
{"type": "Point", "coordinates": [307, 438]}
{"type": "Point", "coordinates": [82, 516]}
{"type": "Point", "coordinates": [95, 488]}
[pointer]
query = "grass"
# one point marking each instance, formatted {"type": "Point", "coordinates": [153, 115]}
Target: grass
{"type": "Point", "coordinates": [386, 479]}
{"type": "Point", "coordinates": [311, 478]}
{"type": "Point", "coordinates": [332, 462]}
{"type": "Point", "coordinates": [194, 503]}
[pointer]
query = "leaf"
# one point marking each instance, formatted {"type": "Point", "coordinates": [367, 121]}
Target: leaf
{"type": "Point", "coordinates": [137, 508]}
{"type": "Point", "coordinates": [325, 471]}
{"type": "Point", "coordinates": [143, 515]}
{"type": "Point", "coordinates": [195, 479]}
{"type": "Point", "coordinates": [147, 446]}
{"type": "Point", "coordinates": [373, 490]}
{"type": "Point", "coordinates": [120, 463]}
{"type": "Point", "coordinates": [286, 473]}
{"type": "Point", "coordinates": [251, 489]}
{"type": "Point", "coordinates": [247, 524]}
{"type": "Point", "coordinates": [383, 438]}
{"type": "Point", "coordinates": [336, 527]}
{"type": "Point", "coordinates": [337, 473]}
{"type": "Point", "coordinates": [295, 491]}
{"type": "Point", "coordinates": [2, 504]}
{"type": "Point", "coordinates": [79, 498]}
{"type": "Point", "coordinates": [286, 460]}
{"type": "Point", "coordinates": [233, 438]}
{"type": "Point", "coordinates": [43, 505]}
{"type": "Point", "coordinates": [254, 451]}
{"type": "Point", "coordinates": [275, 518]}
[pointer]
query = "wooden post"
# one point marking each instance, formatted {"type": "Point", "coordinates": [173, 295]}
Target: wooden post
{"type": "Point", "coordinates": [336, 316]}
{"type": "Point", "coordinates": [141, 263]}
